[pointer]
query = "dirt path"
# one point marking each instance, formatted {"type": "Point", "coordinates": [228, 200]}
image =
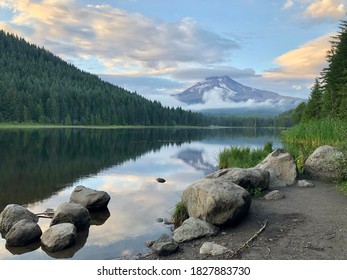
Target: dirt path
{"type": "Point", "coordinates": [309, 223]}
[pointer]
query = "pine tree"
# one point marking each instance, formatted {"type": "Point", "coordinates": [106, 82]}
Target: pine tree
{"type": "Point", "coordinates": [313, 108]}
{"type": "Point", "coordinates": [335, 75]}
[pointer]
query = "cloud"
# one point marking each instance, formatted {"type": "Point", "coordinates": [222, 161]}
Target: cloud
{"type": "Point", "coordinates": [323, 9]}
{"type": "Point", "coordinates": [214, 100]}
{"type": "Point", "coordinates": [304, 62]}
{"type": "Point", "coordinates": [123, 42]}
{"type": "Point", "coordinates": [162, 86]}
{"type": "Point", "coordinates": [202, 73]}
{"type": "Point", "coordinates": [288, 4]}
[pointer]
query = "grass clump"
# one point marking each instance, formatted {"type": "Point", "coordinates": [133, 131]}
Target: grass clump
{"type": "Point", "coordinates": [302, 139]}
{"type": "Point", "coordinates": [179, 214]}
{"type": "Point", "coordinates": [243, 157]}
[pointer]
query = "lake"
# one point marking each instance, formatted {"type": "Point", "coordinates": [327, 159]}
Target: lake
{"type": "Point", "coordinates": [39, 168]}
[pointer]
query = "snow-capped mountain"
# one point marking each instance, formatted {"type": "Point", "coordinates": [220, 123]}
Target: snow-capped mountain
{"type": "Point", "coordinates": [224, 92]}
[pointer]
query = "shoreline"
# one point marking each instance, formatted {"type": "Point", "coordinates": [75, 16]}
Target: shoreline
{"type": "Point", "coordinates": [304, 225]}
{"type": "Point", "coordinates": [51, 126]}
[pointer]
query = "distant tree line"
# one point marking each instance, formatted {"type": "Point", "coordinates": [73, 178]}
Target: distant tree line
{"type": "Point", "coordinates": [38, 87]}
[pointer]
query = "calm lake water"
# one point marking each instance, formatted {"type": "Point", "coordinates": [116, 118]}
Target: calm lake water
{"type": "Point", "coordinates": [40, 168]}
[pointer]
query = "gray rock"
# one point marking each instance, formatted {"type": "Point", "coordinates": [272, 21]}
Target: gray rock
{"type": "Point", "coordinates": [216, 201]}
{"type": "Point", "coordinates": [164, 246]}
{"type": "Point", "coordinates": [89, 198]}
{"type": "Point", "coordinates": [305, 184]}
{"type": "Point", "coordinates": [325, 163]}
{"type": "Point", "coordinates": [274, 195]}
{"type": "Point", "coordinates": [149, 243]}
{"type": "Point", "coordinates": [161, 180]}
{"type": "Point", "coordinates": [12, 214]}
{"type": "Point", "coordinates": [194, 228]}
{"type": "Point", "coordinates": [168, 222]}
{"type": "Point", "coordinates": [211, 248]}
{"type": "Point", "coordinates": [72, 213]}
{"type": "Point", "coordinates": [59, 237]}
{"type": "Point", "coordinates": [23, 233]}
{"type": "Point", "coordinates": [248, 178]}
{"type": "Point", "coordinates": [282, 168]}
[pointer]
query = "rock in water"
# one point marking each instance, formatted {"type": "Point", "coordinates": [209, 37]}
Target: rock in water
{"type": "Point", "coordinates": [72, 213]}
{"type": "Point", "coordinates": [59, 237]}
{"type": "Point", "coordinates": [23, 233]}
{"type": "Point", "coordinates": [89, 198]}
{"type": "Point", "coordinates": [161, 180]}
{"type": "Point", "coordinates": [12, 214]}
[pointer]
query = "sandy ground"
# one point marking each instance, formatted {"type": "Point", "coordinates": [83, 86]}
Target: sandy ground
{"type": "Point", "coordinates": [309, 223]}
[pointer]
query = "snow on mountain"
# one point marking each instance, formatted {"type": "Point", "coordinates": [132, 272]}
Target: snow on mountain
{"type": "Point", "coordinates": [224, 92]}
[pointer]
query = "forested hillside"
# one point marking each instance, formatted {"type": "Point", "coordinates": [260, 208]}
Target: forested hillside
{"type": "Point", "coordinates": [39, 87]}
{"type": "Point", "coordinates": [36, 86]}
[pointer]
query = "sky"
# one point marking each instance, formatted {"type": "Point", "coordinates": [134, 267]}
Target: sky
{"type": "Point", "coordinates": [162, 47]}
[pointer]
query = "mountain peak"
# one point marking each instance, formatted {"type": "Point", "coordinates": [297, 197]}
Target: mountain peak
{"type": "Point", "coordinates": [223, 91]}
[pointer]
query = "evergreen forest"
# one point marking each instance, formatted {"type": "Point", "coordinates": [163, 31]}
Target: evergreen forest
{"type": "Point", "coordinates": [39, 87]}
{"type": "Point", "coordinates": [328, 98]}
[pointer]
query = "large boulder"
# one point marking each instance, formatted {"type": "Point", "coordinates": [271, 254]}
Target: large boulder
{"type": "Point", "coordinates": [326, 163]}
{"type": "Point", "coordinates": [282, 168]}
{"type": "Point", "coordinates": [89, 198]}
{"type": "Point", "coordinates": [23, 233]}
{"type": "Point", "coordinates": [72, 213]}
{"type": "Point", "coordinates": [248, 178]}
{"type": "Point", "coordinates": [194, 228]}
{"type": "Point", "coordinates": [216, 201]}
{"type": "Point", "coordinates": [12, 214]}
{"type": "Point", "coordinates": [59, 237]}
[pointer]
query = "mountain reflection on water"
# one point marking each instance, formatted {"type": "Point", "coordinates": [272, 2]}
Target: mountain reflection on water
{"type": "Point", "coordinates": [40, 168]}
